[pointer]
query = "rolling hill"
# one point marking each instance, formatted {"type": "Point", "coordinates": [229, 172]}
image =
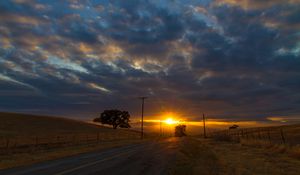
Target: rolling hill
{"type": "Point", "coordinates": [24, 125]}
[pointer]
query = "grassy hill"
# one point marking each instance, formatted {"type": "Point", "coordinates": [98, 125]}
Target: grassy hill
{"type": "Point", "coordinates": [27, 139]}
{"type": "Point", "coordinates": [22, 125]}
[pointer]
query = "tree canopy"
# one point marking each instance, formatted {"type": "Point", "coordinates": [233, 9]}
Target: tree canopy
{"type": "Point", "coordinates": [114, 117]}
{"type": "Point", "coordinates": [180, 131]}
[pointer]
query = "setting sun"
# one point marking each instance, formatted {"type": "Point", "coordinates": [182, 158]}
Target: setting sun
{"type": "Point", "coordinates": [170, 118]}
{"type": "Point", "coordinates": [170, 121]}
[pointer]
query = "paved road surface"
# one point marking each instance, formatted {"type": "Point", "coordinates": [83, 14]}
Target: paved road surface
{"type": "Point", "coordinates": [148, 158]}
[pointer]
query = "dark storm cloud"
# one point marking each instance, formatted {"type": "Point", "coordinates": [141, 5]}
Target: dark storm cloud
{"type": "Point", "coordinates": [231, 59]}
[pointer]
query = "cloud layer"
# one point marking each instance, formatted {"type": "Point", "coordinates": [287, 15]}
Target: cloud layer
{"type": "Point", "coordinates": [231, 59]}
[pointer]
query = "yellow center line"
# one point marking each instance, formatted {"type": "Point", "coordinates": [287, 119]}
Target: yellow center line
{"type": "Point", "coordinates": [92, 163]}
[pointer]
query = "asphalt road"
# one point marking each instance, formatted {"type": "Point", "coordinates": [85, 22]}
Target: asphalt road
{"type": "Point", "coordinates": [151, 158]}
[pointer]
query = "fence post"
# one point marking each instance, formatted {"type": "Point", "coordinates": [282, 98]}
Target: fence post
{"type": "Point", "coordinates": [269, 136]}
{"type": "Point", "coordinates": [7, 143]}
{"type": "Point", "coordinates": [259, 135]}
{"type": "Point", "coordinates": [282, 136]}
{"type": "Point", "coordinates": [57, 139]}
{"type": "Point", "coordinates": [36, 140]}
{"type": "Point", "coordinates": [73, 139]}
{"type": "Point", "coordinates": [242, 133]}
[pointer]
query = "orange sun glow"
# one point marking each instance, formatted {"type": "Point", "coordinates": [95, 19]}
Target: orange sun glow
{"type": "Point", "coordinates": [170, 121]}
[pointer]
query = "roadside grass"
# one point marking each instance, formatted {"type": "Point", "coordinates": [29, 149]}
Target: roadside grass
{"type": "Point", "coordinates": [288, 134]}
{"type": "Point", "coordinates": [195, 158]}
{"type": "Point", "coordinates": [211, 157]}
{"type": "Point", "coordinates": [11, 160]}
{"type": "Point", "coordinates": [283, 139]}
{"type": "Point", "coordinates": [255, 157]}
{"type": "Point", "coordinates": [292, 151]}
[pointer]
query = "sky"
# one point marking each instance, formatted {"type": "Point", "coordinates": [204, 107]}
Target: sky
{"type": "Point", "coordinates": [234, 60]}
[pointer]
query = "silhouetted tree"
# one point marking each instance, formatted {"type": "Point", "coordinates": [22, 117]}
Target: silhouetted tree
{"type": "Point", "coordinates": [114, 117]}
{"type": "Point", "coordinates": [180, 131]}
{"type": "Point", "coordinates": [234, 127]}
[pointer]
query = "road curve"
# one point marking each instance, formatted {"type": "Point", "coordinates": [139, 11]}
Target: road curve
{"type": "Point", "coordinates": [151, 158]}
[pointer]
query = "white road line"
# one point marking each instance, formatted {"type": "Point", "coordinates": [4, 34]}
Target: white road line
{"type": "Point", "coordinates": [92, 163]}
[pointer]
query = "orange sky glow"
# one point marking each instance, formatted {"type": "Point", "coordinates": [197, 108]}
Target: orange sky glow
{"type": "Point", "coordinates": [169, 120]}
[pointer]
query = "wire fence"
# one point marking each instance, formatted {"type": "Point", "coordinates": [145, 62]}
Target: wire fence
{"type": "Point", "coordinates": [39, 142]}
{"type": "Point", "coordinates": [274, 135]}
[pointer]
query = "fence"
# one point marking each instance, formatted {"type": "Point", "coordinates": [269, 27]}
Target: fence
{"type": "Point", "coordinates": [19, 143]}
{"type": "Point", "coordinates": [276, 135]}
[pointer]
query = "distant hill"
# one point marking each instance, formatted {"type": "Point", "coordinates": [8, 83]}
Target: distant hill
{"type": "Point", "coordinates": [16, 125]}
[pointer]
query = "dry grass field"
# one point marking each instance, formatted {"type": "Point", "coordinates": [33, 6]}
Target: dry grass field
{"type": "Point", "coordinates": [14, 125]}
{"type": "Point", "coordinates": [20, 130]}
{"type": "Point", "coordinates": [285, 134]}
{"type": "Point", "coordinates": [265, 150]}
{"type": "Point", "coordinates": [210, 157]}
{"type": "Point", "coordinates": [276, 139]}
{"type": "Point", "coordinates": [25, 139]}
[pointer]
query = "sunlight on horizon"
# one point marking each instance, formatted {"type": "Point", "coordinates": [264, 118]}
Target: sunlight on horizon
{"type": "Point", "coordinates": [171, 121]}
{"type": "Point", "coordinates": [170, 118]}
{"type": "Point", "coordinates": [174, 118]}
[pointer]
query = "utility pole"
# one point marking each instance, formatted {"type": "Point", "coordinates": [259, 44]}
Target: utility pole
{"type": "Point", "coordinates": [142, 124]}
{"type": "Point", "coordinates": [204, 130]}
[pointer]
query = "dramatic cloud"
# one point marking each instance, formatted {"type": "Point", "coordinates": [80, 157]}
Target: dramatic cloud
{"type": "Point", "coordinates": [232, 59]}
